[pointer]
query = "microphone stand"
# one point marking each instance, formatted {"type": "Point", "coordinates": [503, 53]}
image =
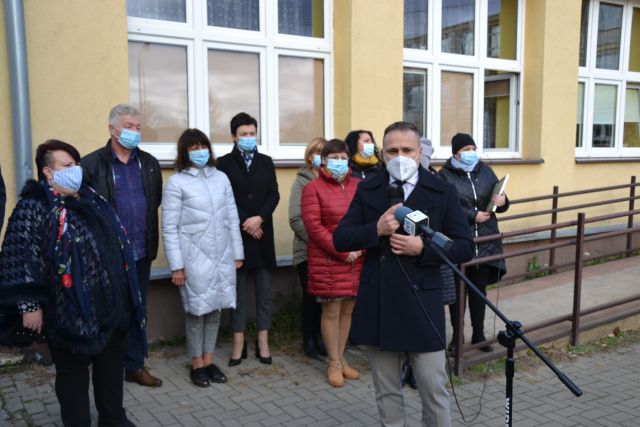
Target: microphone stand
{"type": "Point", "coordinates": [506, 338]}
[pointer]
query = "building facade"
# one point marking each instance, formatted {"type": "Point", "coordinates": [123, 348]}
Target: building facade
{"type": "Point", "coordinates": [549, 89]}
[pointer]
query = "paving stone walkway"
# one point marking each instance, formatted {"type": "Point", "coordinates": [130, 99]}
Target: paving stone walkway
{"type": "Point", "coordinates": [293, 392]}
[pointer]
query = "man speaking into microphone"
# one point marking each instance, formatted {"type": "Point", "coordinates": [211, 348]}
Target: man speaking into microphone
{"type": "Point", "coordinates": [388, 319]}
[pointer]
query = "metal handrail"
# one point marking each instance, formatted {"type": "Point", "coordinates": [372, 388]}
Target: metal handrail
{"type": "Point", "coordinates": [579, 241]}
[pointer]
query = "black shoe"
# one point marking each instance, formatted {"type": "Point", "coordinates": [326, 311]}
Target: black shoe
{"type": "Point", "coordinates": [199, 377]}
{"type": "Point", "coordinates": [264, 360]}
{"type": "Point", "coordinates": [243, 355]}
{"type": "Point", "coordinates": [480, 338]}
{"type": "Point", "coordinates": [309, 347]}
{"type": "Point", "coordinates": [322, 350]}
{"type": "Point", "coordinates": [215, 374]}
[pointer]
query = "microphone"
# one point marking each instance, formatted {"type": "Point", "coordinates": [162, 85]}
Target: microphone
{"type": "Point", "coordinates": [413, 221]}
{"type": "Point", "coordinates": [395, 193]}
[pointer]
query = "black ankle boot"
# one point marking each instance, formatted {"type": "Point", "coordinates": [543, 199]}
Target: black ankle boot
{"type": "Point", "coordinates": [309, 347]}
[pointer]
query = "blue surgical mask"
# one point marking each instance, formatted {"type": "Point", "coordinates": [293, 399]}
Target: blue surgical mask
{"type": "Point", "coordinates": [199, 158]}
{"type": "Point", "coordinates": [367, 150]}
{"type": "Point", "coordinates": [338, 168]}
{"type": "Point", "coordinates": [129, 139]}
{"type": "Point", "coordinates": [317, 160]}
{"type": "Point", "coordinates": [247, 143]}
{"type": "Point", "coordinates": [469, 158]}
{"type": "Point", "coordinates": [69, 178]}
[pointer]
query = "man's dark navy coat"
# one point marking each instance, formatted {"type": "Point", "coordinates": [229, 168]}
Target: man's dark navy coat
{"type": "Point", "coordinates": [387, 314]}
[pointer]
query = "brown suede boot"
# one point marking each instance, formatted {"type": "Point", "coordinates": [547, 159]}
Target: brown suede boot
{"type": "Point", "coordinates": [334, 374]}
{"type": "Point", "coordinates": [348, 372]}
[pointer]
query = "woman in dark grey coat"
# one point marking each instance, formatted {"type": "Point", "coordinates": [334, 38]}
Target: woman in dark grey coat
{"type": "Point", "coordinates": [475, 182]}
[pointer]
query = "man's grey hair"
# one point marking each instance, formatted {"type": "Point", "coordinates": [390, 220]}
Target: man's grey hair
{"type": "Point", "coordinates": [121, 110]}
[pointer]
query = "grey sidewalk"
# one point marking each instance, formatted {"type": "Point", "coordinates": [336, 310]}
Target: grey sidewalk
{"type": "Point", "coordinates": [294, 392]}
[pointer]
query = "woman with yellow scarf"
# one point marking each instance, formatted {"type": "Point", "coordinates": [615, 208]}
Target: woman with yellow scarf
{"type": "Point", "coordinates": [364, 158]}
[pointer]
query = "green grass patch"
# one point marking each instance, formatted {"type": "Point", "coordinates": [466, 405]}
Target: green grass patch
{"type": "Point", "coordinates": [534, 267]}
{"type": "Point", "coordinates": [526, 361]}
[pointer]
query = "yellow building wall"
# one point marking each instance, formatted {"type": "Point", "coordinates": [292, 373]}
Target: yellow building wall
{"type": "Point", "coordinates": [77, 67]}
{"type": "Point", "coordinates": [78, 70]}
{"type": "Point", "coordinates": [368, 51]}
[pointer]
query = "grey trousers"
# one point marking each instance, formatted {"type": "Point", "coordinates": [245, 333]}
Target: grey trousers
{"type": "Point", "coordinates": [201, 333]}
{"type": "Point", "coordinates": [262, 282]}
{"type": "Point", "coordinates": [431, 378]}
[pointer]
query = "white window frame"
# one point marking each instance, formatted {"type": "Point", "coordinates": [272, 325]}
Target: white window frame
{"type": "Point", "coordinates": [622, 77]}
{"type": "Point", "coordinates": [434, 62]}
{"type": "Point", "coordinates": [199, 37]}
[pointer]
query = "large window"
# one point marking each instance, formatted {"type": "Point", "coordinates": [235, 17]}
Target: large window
{"type": "Point", "coordinates": [467, 55]}
{"type": "Point", "coordinates": [608, 117]}
{"type": "Point", "coordinates": [196, 63]}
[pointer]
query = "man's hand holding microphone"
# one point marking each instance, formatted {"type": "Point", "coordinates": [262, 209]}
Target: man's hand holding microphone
{"type": "Point", "coordinates": [400, 244]}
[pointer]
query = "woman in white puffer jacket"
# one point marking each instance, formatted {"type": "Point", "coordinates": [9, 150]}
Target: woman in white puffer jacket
{"type": "Point", "coordinates": [201, 233]}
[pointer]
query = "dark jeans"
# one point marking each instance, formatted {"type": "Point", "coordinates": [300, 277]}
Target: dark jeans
{"type": "Point", "coordinates": [72, 385]}
{"type": "Point", "coordinates": [134, 347]}
{"type": "Point", "coordinates": [311, 309]}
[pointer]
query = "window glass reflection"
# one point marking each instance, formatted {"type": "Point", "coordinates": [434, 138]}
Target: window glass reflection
{"type": "Point", "coordinates": [604, 116]}
{"type": "Point", "coordinates": [167, 10]}
{"type": "Point", "coordinates": [238, 14]}
{"type": "Point", "coordinates": [634, 46]}
{"type": "Point", "coordinates": [301, 99]}
{"type": "Point", "coordinates": [234, 86]}
{"type": "Point", "coordinates": [584, 26]}
{"type": "Point", "coordinates": [456, 105]}
{"type": "Point", "coordinates": [301, 17]}
{"type": "Point", "coordinates": [416, 24]}
{"type": "Point", "coordinates": [609, 30]}
{"type": "Point", "coordinates": [502, 29]}
{"type": "Point", "coordinates": [632, 118]}
{"type": "Point", "coordinates": [414, 98]}
{"type": "Point", "coordinates": [497, 110]}
{"type": "Point", "coordinates": [580, 115]}
{"type": "Point", "coordinates": [458, 26]}
{"type": "Point", "coordinates": [158, 88]}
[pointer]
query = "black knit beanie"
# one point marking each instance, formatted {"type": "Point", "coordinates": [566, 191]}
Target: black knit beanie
{"type": "Point", "coordinates": [460, 140]}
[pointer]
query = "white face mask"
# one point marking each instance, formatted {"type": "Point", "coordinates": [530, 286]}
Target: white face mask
{"type": "Point", "coordinates": [402, 167]}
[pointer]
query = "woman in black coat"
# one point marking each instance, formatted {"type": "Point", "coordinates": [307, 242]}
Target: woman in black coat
{"type": "Point", "coordinates": [365, 156]}
{"type": "Point", "coordinates": [475, 182]}
{"type": "Point", "coordinates": [67, 273]}
{"type": "Point", "coordinates": [253, 179]}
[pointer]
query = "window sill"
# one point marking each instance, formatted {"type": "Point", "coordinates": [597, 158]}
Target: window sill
{"type": "Point", "coordinates": [588, 160]}
{"type": "Point", "coordinates": [439, 162]}
{"type": "Point", "coordinates": [291, 164]}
